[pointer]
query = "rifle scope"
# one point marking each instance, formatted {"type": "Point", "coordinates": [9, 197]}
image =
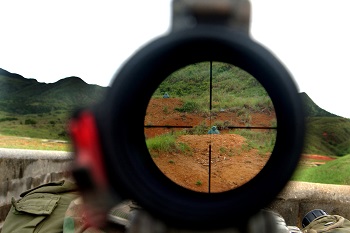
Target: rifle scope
{"type": "Point", "coordinates": [125, 162]}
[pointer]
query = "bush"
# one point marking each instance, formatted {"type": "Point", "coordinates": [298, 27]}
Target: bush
{"type": "Point", "coordinates": [8, 119]}
{"type": "Point", "coordinates": [63, 134]}
{"type": "Point", "coordinates": [198, 129]}
{"type": "Point", "coordinates": [30, 122]}
{"type": "Point", "coordinates": [166, 143]}
{"type": "Point", "coordinates": [161, 143]}
{"type": "Point", "coordinates": [189, 106]}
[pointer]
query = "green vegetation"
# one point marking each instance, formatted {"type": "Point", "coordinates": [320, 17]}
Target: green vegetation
{"type": "Point", "coordinates": [263, 141]}
{"type": "Point", "coordinates": [328, 136]}
{"type": "Point", "coordinates": [33, 143]}
{"type": "Point", "coordinates": [233, 89]}
{"type": "Point", "coordinates": [333, 172]}
{"type": "Point", "coordinates": [199, 183]}
{"type": "Point", "coordinates": [198, 129]}
{"type": "Point", "coordinates": [312, 109]}
{"type": "Point", "coordinates": [189, 106]}
{"type": "Point", "coordinates": [166, 143]}
{"type": "Point", "coordinates": [8, 119]}
{"type": "Point", "coordinates": [30, 122]}
{"type": "Point", "coordinates": [19, 95]}
{"type": "Point", "coordinates": [47, 126]}
{"type": "Point", "coordinates": [39, 110]}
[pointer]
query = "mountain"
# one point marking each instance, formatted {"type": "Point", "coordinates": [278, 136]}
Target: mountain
{"type": "Point", "coordinates": [326, 133]}
{"type": "Point", "coordinates": [22, 96]}
{"type": "Point", "coordinates": [28, 96]}
{"type": "Point", "coordinates": [11, 75]}
{"type": "Point", "coordinates": [312, 109]}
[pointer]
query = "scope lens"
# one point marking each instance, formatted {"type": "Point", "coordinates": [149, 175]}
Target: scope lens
{"type": "Point", "coordinates": [210, 127]}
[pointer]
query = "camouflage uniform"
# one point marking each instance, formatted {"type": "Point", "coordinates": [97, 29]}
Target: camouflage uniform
{"type": "Point", "coordinates": [40, 209]}
{"type": "Point", "coordinates": [328, 224]}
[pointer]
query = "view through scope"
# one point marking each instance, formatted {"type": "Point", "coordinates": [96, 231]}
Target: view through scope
{"type": "Point", "coordinates": [210, 127]}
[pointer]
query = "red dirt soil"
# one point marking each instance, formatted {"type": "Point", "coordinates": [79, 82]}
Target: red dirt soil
{"type": "Point", "coordinates": [232, 164]}
{"type": "Point", "coordinates": [318, 157]}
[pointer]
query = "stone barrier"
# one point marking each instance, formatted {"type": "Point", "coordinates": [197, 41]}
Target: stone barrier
{"type": "Point", "coordinates": [21, 170]}
{"type": "Point", "coordinates": [298, 198]}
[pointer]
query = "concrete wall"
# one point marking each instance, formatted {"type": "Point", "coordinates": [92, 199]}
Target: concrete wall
{"type": "Point", "coordinates": [24, 169]}
{"type": "Point", "coordinates": [21, 170]}
{"type": "Point", "coordinates": [298, 198]}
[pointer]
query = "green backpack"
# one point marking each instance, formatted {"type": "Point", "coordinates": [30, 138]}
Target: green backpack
{"type": "Point", "coordinates": [40, 209]}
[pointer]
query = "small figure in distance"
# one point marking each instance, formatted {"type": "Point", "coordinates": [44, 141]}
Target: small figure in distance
{"type": "Point", "coordinates": [213, 130]}
{"type": "Point", "coordinates": [166, 95]}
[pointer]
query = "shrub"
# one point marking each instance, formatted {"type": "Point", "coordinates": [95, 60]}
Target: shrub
{"type": "Point", "coordinates": [189, 106]}
{"type": "Point", "coordinates": [63, 134]}
{"type": "Point", "coordinates": [166, 143]}
{"type": "Point", "coordinates": [198, 129]}
{"type": "Point", "coordinates": [8, 119]}
{"type": "Point", "coordinates": [30, 122]}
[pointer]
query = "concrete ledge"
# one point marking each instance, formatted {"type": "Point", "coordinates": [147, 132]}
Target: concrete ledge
{"type": "Point", "coordinates": [25, 169]}
{"type": "Point", "coordinates": [298, 198]}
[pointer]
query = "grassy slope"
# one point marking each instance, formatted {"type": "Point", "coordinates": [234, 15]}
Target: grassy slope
{"type": "Point", "coordinates": [48, 125]}
{"type": "Point", "coordinates": [333, 172]}
{"type": "Point", "coordinates": [327, 136]}
{"type": "Point", "coordinates": [232, 88]}
{"type": "Point", "coordinates": [33, 143]}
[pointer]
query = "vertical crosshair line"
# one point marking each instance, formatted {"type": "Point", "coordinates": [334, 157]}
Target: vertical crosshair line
{"type": "Point", "coordinates": [210, 108]}
{"type": "Point", "coordinates": [209, 171]}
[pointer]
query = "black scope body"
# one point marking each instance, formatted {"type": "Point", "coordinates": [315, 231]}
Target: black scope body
{"type": "Point", "coordinates": [119, 119]}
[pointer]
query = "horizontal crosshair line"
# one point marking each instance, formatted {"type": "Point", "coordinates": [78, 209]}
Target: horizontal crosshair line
{"type": "Point", "coordinates": [189, 126]}
{"type": "Point", "coordinates": [168, 126]}
{"type": "Point", "coordinates": [250, 127]}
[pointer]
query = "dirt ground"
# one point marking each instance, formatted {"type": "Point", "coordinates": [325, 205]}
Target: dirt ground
{"type": "Point", "coordinates": [227, 171]}
{"type": "Point", "coordinates": [232, 163]}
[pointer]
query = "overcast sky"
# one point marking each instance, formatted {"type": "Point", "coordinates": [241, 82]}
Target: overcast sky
{"type": "Point", "coordinates": [49, 40]}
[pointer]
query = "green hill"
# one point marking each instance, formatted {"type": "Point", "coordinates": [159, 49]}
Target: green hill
{"type": "Point", "coordinates": [33, 109]}
{"type": "Point", "coordinates": [326, 133]}
{"type": "Point", "coordinates": [28, 96]}
{"type": "Point", "coordinates": [312, 109]}
{"type": "Point", "coordinates": [327, 136]}
{"type": "Point", "coordinates": [333, 172]}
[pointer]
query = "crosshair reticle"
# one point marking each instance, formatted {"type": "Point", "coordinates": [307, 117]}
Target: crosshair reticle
{"type": "Point", "coordinates": [210, 127]}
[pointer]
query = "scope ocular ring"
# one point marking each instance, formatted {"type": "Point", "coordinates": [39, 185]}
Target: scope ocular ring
{"type": "Point", "coordinates": [130, 168]}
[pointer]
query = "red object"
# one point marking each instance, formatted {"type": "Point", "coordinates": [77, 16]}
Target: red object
{"type": "Point", "coordinates": [87, 146]}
